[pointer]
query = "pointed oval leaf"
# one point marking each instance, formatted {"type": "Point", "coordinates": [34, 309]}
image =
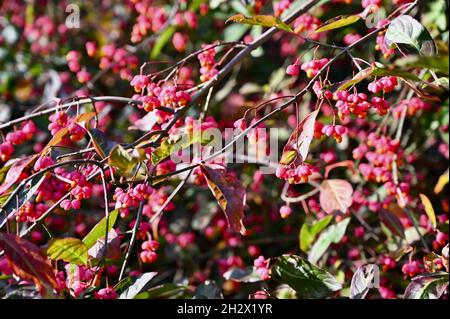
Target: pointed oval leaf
{"type": "Point", "coordinates": [333, 234]}
{"type": "Point", "coordinates": [28, 261]}
{"type": "Point", "coordinates": [366, 277]}
{"type": "Point", "coordinates": [429, 210]}
{"type": "Point", "coordinates": [338, 22]}
{"type": "Point", "coordinates": [229, 193]}
{"type": "Point", "coordinates": [300, 140]}
{"type": "Point", "coordinates": [392, 222]}
{"type": "Point", "coordinates": [99, 230]}
{"type": "Point", "coordinates": [72, 250]}
{"type": "Point", "coordinates": [427, 286]}
{"type": "Point", "coordinates": [307, 280]}
{"type": "Point", "coordinates": [262, 20]}
{"type": "Point", "coordinates": [405, 30]}
{"type": "Point", "coordinates": [112, 249]}
{"type": "Point", "coordinates": [14, 173]}
{"type": "Point", "coordinates": [335, 195]}
{"type": "Point", "coordinates": [138, 285]}
{"type": "Point", "coordinates": [443, 180]}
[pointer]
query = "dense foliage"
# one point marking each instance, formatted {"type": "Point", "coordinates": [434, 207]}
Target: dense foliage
{"type": "Point", "coordinates": [111, 185]}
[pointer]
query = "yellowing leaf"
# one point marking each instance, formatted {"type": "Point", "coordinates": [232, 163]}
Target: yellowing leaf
{"type": "Point", "coordinates": [338, 22]}
{"type": "Point", "coordinates": [443, 180]}
{"type": "Point", "coordinates": [72, 250]}
{"type": "Point", "coordinates": [229, 193]}
{"type": "Point", "coordinates": [262, 20]}
{"type": "Point", "coordinates": [428, 209]}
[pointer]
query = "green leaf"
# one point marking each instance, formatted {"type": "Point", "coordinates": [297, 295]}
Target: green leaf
{"type": "Point", "coordinates": [395, 72]}
{"type": "Point", "coordinates": [262, 20]}
{"type": "Point", "coordinates": [164, 291]}
{"type": "Point", "coordinates": [125, 162]}
{"type": "Point", "coordinates": [305, 237]}
{"type": "Point", "coordinates": [138, 284]}
{"type": "Point", "coordinates": [307, 280]}
{"type": "Point", "coordinates": [208, 290]}
{"type": "Point", "coordinates": [319, 225]}
{"type": "Point", "coordinates": [333, 234]}
{"type": "Point", "coordinates": [72, 250]}
{"type": "Point", "coordinates": [242, 275]}
{"type": "Point", "coordinates": [288, 157]}
{"type": "Point", "coordinates": [169, 147]}
{"type": "Point", "coordinates": [162, 40]}
{"type": "Point", "coordinates": [99, 230]}
{"type": "Point", "coordinates": [438, 63]}
{"type": "Point", "coordinates": [307, 234]}
{"type": "Point", "coordinates": [360, 76]}
{"type": "Point", "coordinates": [338, 22]}
{"type": "Point", "coordinates": [427, 286]}
{"type": "Point", "coordinates": [407, 31]}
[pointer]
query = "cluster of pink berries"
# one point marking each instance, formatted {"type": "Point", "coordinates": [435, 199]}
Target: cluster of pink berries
{"type": "Point", "coordinates": [150, 18]}
{"type": "Point", "coordinates": [61, 120]}
{"type": "Point", "coordinates": [73, 62]}
{"type": "Point", "coordinates": [154, 96]}
{"type": "Point", "coordinates": [19, 136]}
{"type": "Point", "coordinates": [413, 106]}
{"type": "Point", "coordinates": [307, 24]}
{"type": "Point", "coordinates": [386, 84]}
{"type": "Point", "coordinates": [208, 64]}
{"type": "Point", "coordinates": [311, 67]}
{"type": "Point", "coordinates": [29, 212]}
{"type": "Point", "coordinates": [119, 60]}
{"type": "Point", "coordinates": [132, 196]}
{"type": "Point", "coordinates": [148, 254]}
{"type": "Point", "coordinates": [39, 33]}
{"type": "Point", "coordinates": [412, 268]}
{"type": "Point", "coordinates": [189, 18]}
{"type": "Point", "coordinates": [80, 189]}
{"type": "Point", "coordinates": [295, 174]}
{"type": "Point", "coordinates": [336, 131]}
{"type": "Point", "coordinates": [261, 267]}
{"type": "Point", "coordinates": [380, 152]}
{"type": "Point", "coordinates": [281, 6]}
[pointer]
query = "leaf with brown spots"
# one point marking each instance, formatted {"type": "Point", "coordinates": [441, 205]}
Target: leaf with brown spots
{"type": "Point", "coordinates": [229, 193]}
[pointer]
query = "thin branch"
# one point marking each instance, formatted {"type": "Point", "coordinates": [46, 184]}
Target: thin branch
{"type": "Point", "coordinates": [132, 240]}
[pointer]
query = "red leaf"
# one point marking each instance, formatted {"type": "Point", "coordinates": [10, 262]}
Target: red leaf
{"type": "Point", "coordinates": [14, 172]}
{"type": "Point", "coordinates": [392, 222]}
{"type": "Point", "coordinates": [335, 195]}
{"type": "Point", "coordinates": [348, 163]}
{"type": "Point", "coordinates": [300, 139]}
{"type": "Point", "coordinates": [28, 261]}
{"type": "Point", "coordinates": [230, 194]}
